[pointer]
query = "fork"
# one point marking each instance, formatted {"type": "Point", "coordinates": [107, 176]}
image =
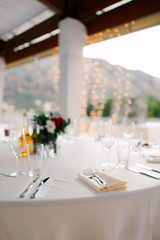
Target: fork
{"type": "Point", "coordinates": [91, 175]}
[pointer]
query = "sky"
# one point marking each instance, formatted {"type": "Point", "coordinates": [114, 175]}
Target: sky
{"type": "Point", "coordinates": [134, 51]}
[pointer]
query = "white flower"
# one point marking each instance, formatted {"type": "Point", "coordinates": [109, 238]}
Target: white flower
{"type": "Point", "coordinates": [50, 126]}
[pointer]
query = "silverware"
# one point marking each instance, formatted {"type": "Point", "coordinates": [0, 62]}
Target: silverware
{"type": "Point", "coordinates": [148, 168]}
{"type": "Point", "coordinates": [90, 174]}
{"type": "Point", "coordinates": [145, 172]}
{"type": "Point", "coordinates": [8, 175]}
{"type": "Point", "coordinates": [30, 186]}
{"type": "Point", "coordinates": [40, 185]}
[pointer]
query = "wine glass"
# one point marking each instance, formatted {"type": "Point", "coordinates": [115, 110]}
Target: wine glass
{"type": "Point", "coordinates": [17, 144]}
{"type": "Point", "coordinates": [128, 130]}
{"type": "Point", "coordinates": [108, 139]}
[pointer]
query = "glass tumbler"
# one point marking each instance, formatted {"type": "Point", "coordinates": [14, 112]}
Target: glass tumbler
{"type": "Point", "coordinates": [123, 152]}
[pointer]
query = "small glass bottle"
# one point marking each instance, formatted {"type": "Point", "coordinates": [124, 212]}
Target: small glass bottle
{"type": "Point", "coordinates": [35, 134]}
{"type": "Point", "coordinates": [29, 138]}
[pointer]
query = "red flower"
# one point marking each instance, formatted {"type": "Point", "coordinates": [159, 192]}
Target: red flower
{"type": "Point", "coordinates": [58, 121]}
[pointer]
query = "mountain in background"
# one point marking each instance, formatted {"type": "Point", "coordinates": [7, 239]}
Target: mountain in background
{"type": "Point", "coordinates": [115, 78]}
{"type": "Point", "coordinates": [26, 84]}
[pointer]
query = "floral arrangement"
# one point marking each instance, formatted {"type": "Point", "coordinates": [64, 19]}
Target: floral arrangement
{"type": "Point", "coordinates": [50, 126]}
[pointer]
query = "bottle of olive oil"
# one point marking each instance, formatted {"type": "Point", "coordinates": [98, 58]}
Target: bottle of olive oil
{"type": "Point", "coordinates": [29, 139]}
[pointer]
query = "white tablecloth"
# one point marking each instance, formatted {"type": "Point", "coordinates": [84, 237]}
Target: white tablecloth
{"type": "Point", "coordinates": [72, 210]}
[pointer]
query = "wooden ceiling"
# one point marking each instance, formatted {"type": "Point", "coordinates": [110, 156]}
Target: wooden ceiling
{"type": "Point", "coordinates": [83, 10]}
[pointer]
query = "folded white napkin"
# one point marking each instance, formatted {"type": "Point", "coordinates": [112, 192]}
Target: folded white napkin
{"type": "Point", "coordinates": [152, 156]}
{"type": "Point", "coordinates": [111, 184]}
{"type": "Point", "coordinates": [153, 159]}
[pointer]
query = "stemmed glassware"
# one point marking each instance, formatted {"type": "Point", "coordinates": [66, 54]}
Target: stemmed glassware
{"type": "Point", "coordinates": [108, 139]}
{"type": "Point", "coordinates": [17, 144]}
{"type": "Point", "coordinates": [128, 130]}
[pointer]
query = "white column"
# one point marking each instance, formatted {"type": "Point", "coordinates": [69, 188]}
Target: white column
{"type": "Point", "coordinates": [71, 43]}
{"type": "Point", "coordinates": [2, 79]}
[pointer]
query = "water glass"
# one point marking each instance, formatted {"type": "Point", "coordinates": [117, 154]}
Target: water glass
{"type": "Point", "coordinates": [123, 152]}
{"type": "Point", "coordinates": [35, 160]}
{"type": "Point", "coordinates": [49, 150]}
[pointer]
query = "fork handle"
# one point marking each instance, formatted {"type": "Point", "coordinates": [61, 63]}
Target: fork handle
{"type": "Point", "coordinates": [6, 175]}
{"type": "Point", "coordinates": [99, 180]}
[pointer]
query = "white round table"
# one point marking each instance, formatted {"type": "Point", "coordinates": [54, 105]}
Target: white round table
{"type": "Point", "coordinates": [72, 210]}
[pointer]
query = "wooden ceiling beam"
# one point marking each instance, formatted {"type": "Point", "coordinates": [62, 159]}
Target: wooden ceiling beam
{"type": "Point", "coordinates": [33, 33]}
{"type": "Point", "coordinates": [84, 9]}
{"type": "Point", "coordinates": [131, 11]}
{"type": "Point", "coordinates": [90, 7]}
{"type": "Point", "coordinates": [57, 6]}
{"type": "Point", "coordinates": [32, 50]}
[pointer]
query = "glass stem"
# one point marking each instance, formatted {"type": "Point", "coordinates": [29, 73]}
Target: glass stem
{"type": "Point", "coordinates": [108, 155]}
{"type": "Point", "coordinates": [17, 163]}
